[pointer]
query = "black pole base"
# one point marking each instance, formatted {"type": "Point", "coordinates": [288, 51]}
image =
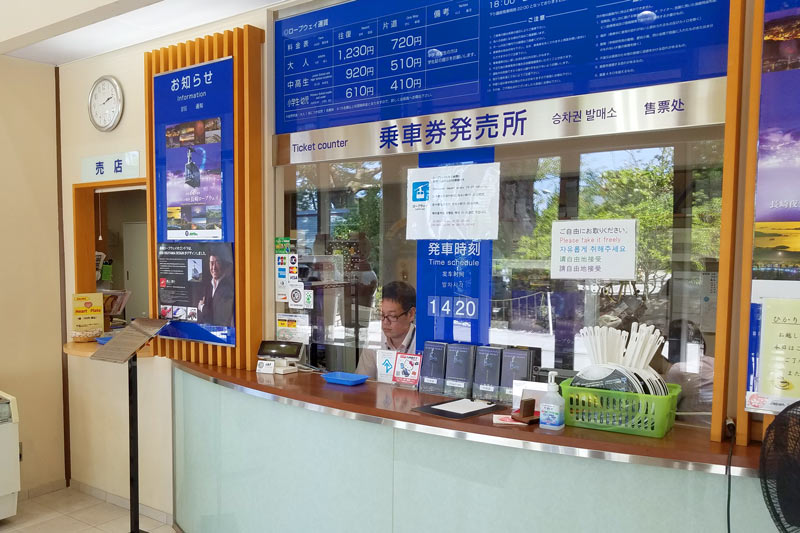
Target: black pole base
{"type": "Point", "coordinates": [133, 444]}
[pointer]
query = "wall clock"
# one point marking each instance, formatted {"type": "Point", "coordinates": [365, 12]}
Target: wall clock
{"type": "Point", "coordinates": [105, 103]}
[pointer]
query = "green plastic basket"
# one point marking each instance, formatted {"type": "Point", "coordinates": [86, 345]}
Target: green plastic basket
{"type": "Point", "coordinates": [620, 412]}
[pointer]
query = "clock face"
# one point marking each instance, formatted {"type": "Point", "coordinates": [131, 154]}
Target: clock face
{"type": "Point", "coordinates": [105, 103]}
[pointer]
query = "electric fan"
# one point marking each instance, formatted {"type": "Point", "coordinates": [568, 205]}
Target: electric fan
{"type": "Point", "coordinates": [779, 469]}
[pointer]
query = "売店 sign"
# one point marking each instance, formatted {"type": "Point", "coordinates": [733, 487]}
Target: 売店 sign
{"type": "Point", "coordinates": [121, 165]}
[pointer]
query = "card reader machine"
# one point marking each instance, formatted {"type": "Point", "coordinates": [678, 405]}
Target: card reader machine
{"type": "Point", "coordinates": [284, 354]}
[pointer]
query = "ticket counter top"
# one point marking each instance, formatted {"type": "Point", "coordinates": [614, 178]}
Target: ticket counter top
{"type": "Point", "coordinates": [685, 447]}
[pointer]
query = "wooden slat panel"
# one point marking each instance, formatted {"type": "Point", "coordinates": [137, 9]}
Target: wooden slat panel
{"type": "Point", "coordinates": [202, 352]}
{"type": "Point", "coordinates": [173, 57]}
{"type": "Point", "coordinates": [199, 50]}
{"type": "Point", "coordinates": [253, 215]}
{"type": "Point", "coordinates": [240, 199]}
{"type": "Point", "coordinates": [218, 45]}
{"type": "Point", "coordinates": [151, 65]}
{"type": "Point", "coordinates": [208, 47]}
{"type": "Point", "coordinates": [748, 217]}
{"type": "Point", "coordinates": [163, 60]}
{"type": "Point", "coordinates": [190, 53]}
{"type": "Point", "coordinates": [229, 43]}
{"type": "Point", "coordinates": [227, 356]}
{"type": "Point", "coordinates": [727, 246]}
{"type": "Point", "coordinates": [181, 55]}
{"type": "Point", "coordinates": [227, 47]}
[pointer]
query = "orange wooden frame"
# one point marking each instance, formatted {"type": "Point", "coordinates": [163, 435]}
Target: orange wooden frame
{"type": "Point", "coordinates": [83, 226]}
{"type": "Point", "coordinates": [730, 199]}
{"type": "Point", "coordinates": [743, 422]}
{"type": "Point", "coordinates": [244, 45]}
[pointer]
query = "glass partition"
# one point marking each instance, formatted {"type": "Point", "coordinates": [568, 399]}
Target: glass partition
{"type": "Point", "coordinates": [347, 220]}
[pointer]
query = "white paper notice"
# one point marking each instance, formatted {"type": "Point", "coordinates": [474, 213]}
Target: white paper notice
{"type": "Point", "coordinates": [593, 249]}
{"type": "Point", "coordinates": [291, 327]}
{"type": "Point", "coordinates": [453, 203]}
{"type": "Point", "coordinates": [463, 407]}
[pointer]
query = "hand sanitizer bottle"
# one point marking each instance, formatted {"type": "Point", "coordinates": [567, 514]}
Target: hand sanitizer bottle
{"type": "Point", "coordinates": [551, 411]}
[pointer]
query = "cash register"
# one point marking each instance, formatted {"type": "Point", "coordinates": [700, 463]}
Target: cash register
{"type": "Point", "coordinates": [285, 355]}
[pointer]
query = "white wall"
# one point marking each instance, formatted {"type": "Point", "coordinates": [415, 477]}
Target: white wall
{"type": "Point", "coordinates": [30, 317]}
{"type": "Point", "coordinates": [98, 399]}
{"type": "Point", "coordinates": [98, 392]}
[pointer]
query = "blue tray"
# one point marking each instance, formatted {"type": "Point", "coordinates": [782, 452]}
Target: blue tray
{"type": "Point", "coordinates": [344, 378]}
{"type": "Point", "coordinates": [102, 340]}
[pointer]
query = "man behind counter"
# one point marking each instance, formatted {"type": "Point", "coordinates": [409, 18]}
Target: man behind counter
{"type": "Point", "coordinates": [398, 310]}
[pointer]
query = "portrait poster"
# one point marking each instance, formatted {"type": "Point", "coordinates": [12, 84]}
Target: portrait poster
{"type": "Point", "coordinates": [196, 291]}
{"type": "Point", "coordinates": [194, 180]}
{"type": "Point", "coordinates": [193, 111]}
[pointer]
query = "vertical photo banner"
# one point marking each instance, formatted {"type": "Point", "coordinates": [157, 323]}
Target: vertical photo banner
{"type": "Point", "coordinates": [772, 372]}
{"type": "Point", "coordinates": [193, 111]}
{"type": "Point", "coordinates": [776, 253]}
{"type": "Point", "coordinates": [193, 117]}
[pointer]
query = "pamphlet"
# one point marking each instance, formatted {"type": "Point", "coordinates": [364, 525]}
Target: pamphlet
{"type": "Point", "coordinates": [385, 359]}
{"type": "Point", "coordinates": [460, 370]}
{"type": "Point", "coordinates": [406, 369]}
{"type": "Point", "coordinates": [487, 372]}
{"type": "Point", "coordinates": [87, 316]}
{"type": "Point", "coordinates": [433, 365]}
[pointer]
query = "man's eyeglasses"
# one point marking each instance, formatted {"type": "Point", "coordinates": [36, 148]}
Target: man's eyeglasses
{"type": "Point", "coordinates": [392, 318]}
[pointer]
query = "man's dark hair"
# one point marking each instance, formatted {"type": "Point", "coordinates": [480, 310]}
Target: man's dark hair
{"type": "Point", "coordinates": [402, 293]}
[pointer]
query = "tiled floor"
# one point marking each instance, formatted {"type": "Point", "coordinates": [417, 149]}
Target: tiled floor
{"type": "Point", "coordinates": [71, 511]}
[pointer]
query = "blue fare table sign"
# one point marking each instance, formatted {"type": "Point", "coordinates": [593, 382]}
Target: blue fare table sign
{"type": "Point", "coordinates": [193, 110]}
{"type": "Point", "coordinates": [365, 61]}
{"type": "Point", "coordinates": [454, 283]}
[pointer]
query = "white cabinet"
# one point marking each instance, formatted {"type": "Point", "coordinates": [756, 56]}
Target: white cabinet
{"type": "Point", "coordinates": [9, 455]}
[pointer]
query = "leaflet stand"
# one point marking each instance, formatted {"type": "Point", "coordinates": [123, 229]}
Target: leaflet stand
{"type": "Point", "coordinates": [122, 348]}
